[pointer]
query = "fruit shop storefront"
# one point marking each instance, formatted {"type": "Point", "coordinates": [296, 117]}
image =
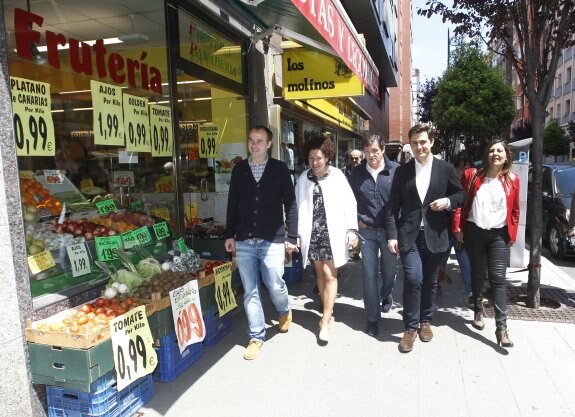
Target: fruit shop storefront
{"type": "Point", "coordinates": [121, 122]}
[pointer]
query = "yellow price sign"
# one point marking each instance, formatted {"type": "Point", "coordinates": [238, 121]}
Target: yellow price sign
{"type": "Point", "coordinates": [137, 123]}
{"type": "Point", "coordinates": [40, 262]}
{"type": "Point", "coordinates": [162, 213]}
{"type": "Point", "coordinates": [165, 184]}
{"type": "Point", "coordinates": [225, 297]}
{"type": "Point", "coordinates": [32, 117]}
{"type": "Point", "coordinates": [208, 141]}
{"type": "Point", "coordinates": [161, 130]}
{"type": "Point", "coordinates": [108, 114]}
{"type": "Point", "coordinates": [132, 344]}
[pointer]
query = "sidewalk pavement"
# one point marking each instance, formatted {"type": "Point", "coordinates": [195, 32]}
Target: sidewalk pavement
{"type": "Point", "coordinates": [461, 372]}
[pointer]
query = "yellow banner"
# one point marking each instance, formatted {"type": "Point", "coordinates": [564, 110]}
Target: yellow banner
{"type": "Point", "coordinates": [209, 144]}
{"type": "Point", "coordinates": [137, 123]}
{"type": "Point", "coordinates": [327, 110]}
{"type": "Point", "coordinates": [161, 130]}
{"type": "Point", "coordinates": [310, 74]}
{"type": "Point", "coordinates": [40, 262]}
{"type": "Point", "coordinates": [225, 297]}
{"type": "Point", "coordinates": [108, 115]}
{"type": "Point", "coordinates": [33, 124]}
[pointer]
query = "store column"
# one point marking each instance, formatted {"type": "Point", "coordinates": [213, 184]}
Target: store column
{"type": "Point", "coordinates": [16, 392]}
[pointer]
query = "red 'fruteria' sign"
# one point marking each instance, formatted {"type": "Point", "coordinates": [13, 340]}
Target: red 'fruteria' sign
{"type": "Point", "coordinates": [329, 19]}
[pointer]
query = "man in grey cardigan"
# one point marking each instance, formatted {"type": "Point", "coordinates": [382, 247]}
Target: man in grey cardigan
{"type": "Point", "coordinates": [261, 191]}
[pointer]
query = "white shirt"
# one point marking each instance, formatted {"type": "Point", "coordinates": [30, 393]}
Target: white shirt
{"type": "Point", "coordinates": [422, 178]}
{"type": "Point", "coordinates": [375, 172]}
{"type": "Point", "coordinates": [489, 208]}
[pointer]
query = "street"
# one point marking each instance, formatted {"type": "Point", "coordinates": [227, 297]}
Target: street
{"type": "Point", "coordinates": [566, 265]}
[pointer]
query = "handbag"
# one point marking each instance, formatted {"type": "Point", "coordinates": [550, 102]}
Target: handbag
{"type": "Point", "coordinates": [466, 202]}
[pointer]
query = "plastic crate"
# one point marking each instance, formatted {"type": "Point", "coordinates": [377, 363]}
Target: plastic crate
{"type": "Point", "coordinates": [103, 400]}
{"type": "Point", "coordinates": [172, 363]}
{"type": "Point", "coordinates": [216, 327]}
{"type": "Point", "coordinates": [293, 271]}
{"type": "Point", "coordinates": [208, 298]}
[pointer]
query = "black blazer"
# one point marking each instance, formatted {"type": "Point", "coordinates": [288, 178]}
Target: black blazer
{"type": "Point", "coordinates": [405, 209]}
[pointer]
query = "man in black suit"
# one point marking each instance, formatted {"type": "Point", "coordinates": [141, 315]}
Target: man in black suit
{"type": "Point", "coordinates": [418, 227]}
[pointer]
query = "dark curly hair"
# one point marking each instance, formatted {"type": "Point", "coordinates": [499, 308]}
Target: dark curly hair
{"type": "Point", "coordinates": [321, 142]}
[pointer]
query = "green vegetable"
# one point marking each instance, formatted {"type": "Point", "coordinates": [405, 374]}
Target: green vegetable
{"type": "Point", "coordinates": [148, 267]}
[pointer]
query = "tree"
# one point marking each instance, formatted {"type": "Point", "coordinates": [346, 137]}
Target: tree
{"type": "Point", "coordinates": [555, 141]}
{"type": "Point", "coordinates": [532, 35]}
{"type": "Point", "coordinates": [425, 100]}
{"type": "Point", "coordinates": [473, 100]}
{"type": "Point", "coordinates": [521, 132]}
{"type": "Point", "coordinates": [571, 131]}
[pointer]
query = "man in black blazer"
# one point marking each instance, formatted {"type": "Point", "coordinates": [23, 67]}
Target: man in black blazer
{"type": "Point", "coordinates": [417, 227]}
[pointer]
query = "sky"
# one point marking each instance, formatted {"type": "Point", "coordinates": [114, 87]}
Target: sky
{"type": "Point", "coordinates": [429, 49]}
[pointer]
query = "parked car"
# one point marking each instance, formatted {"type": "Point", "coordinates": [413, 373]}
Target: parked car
{"type": "Point", "coordinates": [558, 186]}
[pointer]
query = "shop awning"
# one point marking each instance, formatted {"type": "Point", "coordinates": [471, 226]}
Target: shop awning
{"type": "Point", "coordinates": [323, 21]}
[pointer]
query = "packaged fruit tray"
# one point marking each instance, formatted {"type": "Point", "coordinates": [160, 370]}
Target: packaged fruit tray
{"type": "Point", "coordinates": [81, 327]}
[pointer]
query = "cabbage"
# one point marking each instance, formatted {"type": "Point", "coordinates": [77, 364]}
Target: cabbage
{"type": "Point", "coordinates": [147, 268]}
{"type": "Point", "coordinates": [131, 279]}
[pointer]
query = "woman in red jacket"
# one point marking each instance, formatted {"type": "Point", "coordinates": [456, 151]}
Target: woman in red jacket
{"type": "Point", "coordinates": [488, 220]}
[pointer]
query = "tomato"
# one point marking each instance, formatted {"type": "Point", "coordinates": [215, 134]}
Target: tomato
{"type": "Point", "coordinates": [111, 312]}
{"type": "Point", "coordinates": [74, 329]}
{"type": "Point", "coordinates": [128, 301]}
{"type": "Point", "coordinates": [100, 302]}
{"type": "Point", "coordinates": [120, 311]}
{"type": "Point", "coordinates": [86, 308]}
{"type": "Point", "coordinates": [100, 310]}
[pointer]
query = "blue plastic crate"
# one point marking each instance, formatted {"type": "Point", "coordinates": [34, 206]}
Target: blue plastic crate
{"type": "Point", "coordinates": [171, 363]}
{"type": "Point", "coordinates": [104, 400]}
{"type": "Point", "coordinates": [216, 327]}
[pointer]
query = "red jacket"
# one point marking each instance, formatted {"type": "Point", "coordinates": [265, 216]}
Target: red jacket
{"type": "Point", "coordinates": [511, 187]}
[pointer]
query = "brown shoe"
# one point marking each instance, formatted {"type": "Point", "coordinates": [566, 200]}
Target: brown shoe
{"type": "Point", "coordinates": [284, 322]}
{"type": "Point", "coordinates": [253, 350]}
{"type": "Point", "coordinates": [503, 338]}
{"type": "Point", "coordinates": [425, 333]}
{"type": "Point", "coordinates": [478, 322]}
{"type": "Point", "coordinates": [406, 342]}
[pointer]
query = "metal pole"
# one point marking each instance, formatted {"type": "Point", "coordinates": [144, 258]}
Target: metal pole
{"type": "Point", "coordinates": [448, 47]}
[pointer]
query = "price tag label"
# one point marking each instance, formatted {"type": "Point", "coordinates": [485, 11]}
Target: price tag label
{"type": "Point", "coordinates": [129, 239]}
{"type": "Point", "coordinates": [137, 123]}
{"type": "Point", "coordinates": [187, 314]}
{"type": "Point", "coordinates": [32, 118]}
{"type": "Point", "coordinates": [208, 140]}
{"type": "Point", "coordinates": [161, 126]}
{"type": "Point", "coordinates": [53, 176]}
{"type": "Point", "coordinates": [132, 344]}
{"type": "Point", "coordinates": [143, 235]}
{"type": "Point", "coordinates": [106, 247]}
{"type": "Point", "coordinates": [108, 114]}
{"type": "Point", "coordinates": [225, 297]}
{"type": "Point", "coordinates": [161, 230]}
{"type": "Point", "coordinates": [106, 206]}
{"type": "Point", "coordinates": [79, 259]}
{"type": "Point", "coordinates": [137, 205]}
{"type": "Point", "coordinates": [162, 213]}
{"type": "Point", "coordinates": [165, 184]}
{"type": "Point", "coordinates": [182, 245]}
{"type": "Point", "coordinates": [124, 178]}
{"type": "Point", "coordinates": [41, 262]}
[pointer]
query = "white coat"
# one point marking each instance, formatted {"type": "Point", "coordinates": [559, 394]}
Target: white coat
{"type": "Point", "coordinates": [340, 210]}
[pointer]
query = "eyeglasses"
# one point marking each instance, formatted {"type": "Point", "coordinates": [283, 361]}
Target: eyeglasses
{"type": "Point", "coordinates": [355, 159]}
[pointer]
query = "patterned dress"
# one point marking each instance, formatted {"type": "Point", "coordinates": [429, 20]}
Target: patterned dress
{"type": "Point", "coordinates": [319, 247]}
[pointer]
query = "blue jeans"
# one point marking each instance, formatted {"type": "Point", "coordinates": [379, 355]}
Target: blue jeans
{"type": "Point", "coordinates": [255, 258]}
{"type": "Point", "coordinates": [373, 243]}
{"type": "Point", "coordinates": [420, 282]}
{"type": "Point", "coordinates": [463, 261]}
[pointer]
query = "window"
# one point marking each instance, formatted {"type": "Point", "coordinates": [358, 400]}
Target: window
{"type": "Point", "coordinates": [558, 113]}
{"type": "Point", "coordinates": [567, 107]}
{"type": "Point", "coordinates": [568, 75]}
{"type": "Point", "coordinates": [558, 80]}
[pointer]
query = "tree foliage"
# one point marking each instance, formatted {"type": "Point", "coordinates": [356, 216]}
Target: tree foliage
{"type": "Point", "coordinates": [473, 100]}
{"type": "Point", "coordinates": [521, 132]}
{"type": "Point", "coordinates": [531, 34]}
{"type": "Point", "coordinates": [425, 99]}
{"type": "Point", "coordinates": [555, 141]}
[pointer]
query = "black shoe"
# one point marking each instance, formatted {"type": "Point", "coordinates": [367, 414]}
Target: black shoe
{"type": "Point", "coordinates": [372, 329]}
{"type": "Point", "coordinates": [387, 304]}
{"type": "Point", "coordinates": [315, 290]}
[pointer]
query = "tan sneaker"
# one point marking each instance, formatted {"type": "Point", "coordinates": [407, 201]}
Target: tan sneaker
{"type": "Point", "coordinates": [253, 350]}
{"type": "Point", "coordinates": [284, 322]}
{"type": "Point", "coordinates": [406, 343]}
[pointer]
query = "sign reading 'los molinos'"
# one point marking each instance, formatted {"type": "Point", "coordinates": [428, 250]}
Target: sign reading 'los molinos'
{"type": "Point", "coordinates": [310, 74]}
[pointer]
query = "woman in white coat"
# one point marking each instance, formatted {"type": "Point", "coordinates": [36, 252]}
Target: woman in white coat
{"type": "Point", "coordinates": [327, 221]}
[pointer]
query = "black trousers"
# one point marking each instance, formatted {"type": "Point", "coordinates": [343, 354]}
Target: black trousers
{"type": "Point", "coordinates": [488, 251]}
